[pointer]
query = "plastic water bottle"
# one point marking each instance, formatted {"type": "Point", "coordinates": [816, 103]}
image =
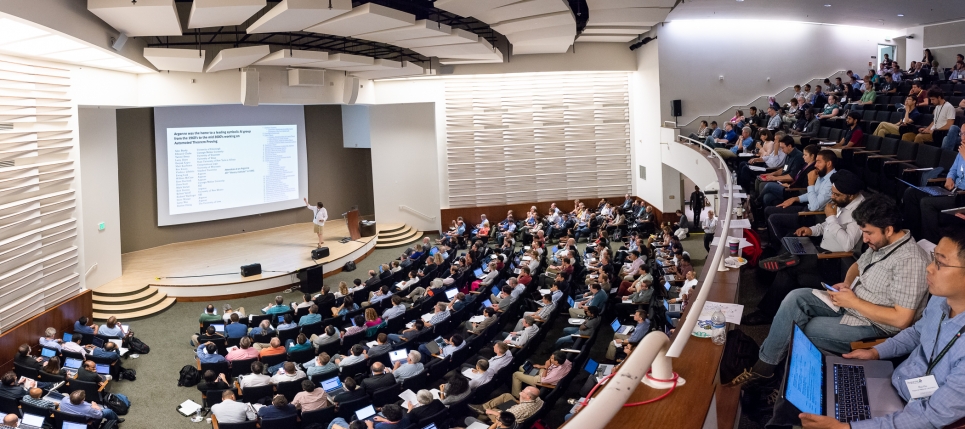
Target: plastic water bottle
{"type": "Point", "coordinates": [718, 324]}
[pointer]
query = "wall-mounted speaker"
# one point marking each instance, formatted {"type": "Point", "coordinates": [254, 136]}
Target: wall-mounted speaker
{"type": "Point", "coordinates": [119, 42]}
{"type": "Point", "coordinates": [249, 87]}
{"type": "Point", "coordinates": [675, 108]}
{"type": "Point", "coordinates": [305, 77]}
{"type": "Point", "coordinates": [351, 90]}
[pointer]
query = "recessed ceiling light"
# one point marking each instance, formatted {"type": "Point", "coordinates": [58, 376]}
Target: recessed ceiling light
{"type": "Point", "coordinates": [901, 14]}
{"type": "Point", "coordinates": [827, 5]}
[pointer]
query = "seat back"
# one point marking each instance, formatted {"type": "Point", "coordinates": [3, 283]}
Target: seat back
{"type": "Point", "coordinates": [10, 406]}
{"type": "Point", "coordinates": [255, 394]}
{"type": "Point", "coordinates": [313, 329]}
{"type": "Point", "coordinates": [872, 142]}
{"type": "Point", "coordinates": [302, 356]}
{"type": "Point", "coordinates": [218, 368]}
{"type": "Point", "coordinates": [868, 115]}
{"type": "Point", "coordinates": [289, 389]}
{"type": "Point", "coordinates": [907, 150]}
{"type": "Point", "coordinates": [251, 424]}
{"type": "Point", "coordinates": [322, 416]}
{"type": "Point", "coordinates": [889, 146]}
{"type": "Point", "coordinates": [255, 319]}
{"type": "Point", "coordinates": [280, 423]}
{"type": "Point", "coordinates": [924, 119]}
{"type": "Point", "coordinates": [354, 369]}
{"type": "Point", "coordinates": [288, 334]}
{"type": "Point", "coordinates": [416, 382]}
{"type": "Point", "coordinates": [24, 371]}
{"type": "Point", "coordinates": [241, 367]}
{"type": "Point", "coordinates": [928, 156]}
{"type": "Point", "coordinates": [271, 360]}
{"type": "Point", "coordinates": [213, 397]}
{"type": "Point", "coordinates": [350, 340]}
{"type": "Point", "coordinates": [385, 395]}
{"type": "Point", "coordinates": [318, 378]}
{"type": "Point", "coordinates": [90, 389]}
{"type": "Point", "coordinates": [347, 409]}
{"type": "Point", "coordinates": [947, 159]}
{"type": "Point", "coordinates": [60, 417]}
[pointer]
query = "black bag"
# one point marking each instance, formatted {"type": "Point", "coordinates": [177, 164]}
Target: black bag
{"type": "Point", "coordinates": [128, 374]}
{"type": "Point", "coordinates": [114, 402]}
{"type": "Point", "coordinates": [138, 346]}
{"type": "Point", "coordinates": [349, 266]}
{"type": "Point", "coordinates": [740, 353]}
{"type": "Point", "coordinates": [189, 376]}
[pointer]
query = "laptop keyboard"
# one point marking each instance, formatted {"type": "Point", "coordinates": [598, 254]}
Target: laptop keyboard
{"type": "Point", "coordinates": [934, 191]}
{"type": "Point", "coordinates": [796, 247]}
{"type": "Point", "coordinates": [850, 393]}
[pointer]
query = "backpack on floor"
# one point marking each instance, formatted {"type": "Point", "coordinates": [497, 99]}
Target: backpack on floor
{"type": "Point", "coordinates": [118, 402]}
{"type": "Point", "coordinates": [189, 376]}
{"type": "Point", "coordinates": [138, 346]}
{"type": "Point", "coordinates": [128, 374]}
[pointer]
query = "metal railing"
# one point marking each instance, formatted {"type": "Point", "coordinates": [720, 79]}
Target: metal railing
{"type": "Point", "coordinates": [414, 211]}
{"type": "Point", "coordinates": [655, 352]}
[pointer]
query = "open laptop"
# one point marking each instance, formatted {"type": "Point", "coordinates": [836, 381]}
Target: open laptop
{"type": "Point", "coordinates": [479, 273]}
{"type": "Point", "coordinates": [597, 370]}
{"type": "Point", "coordinates": [935, 191]}
{"type": "Point", "coordinates": [103, 369]}
{"type": "Point", "coordinates": [398, 356]}
{"type": "Point", "coordinates": [98, 342]}
{"type": "Point", "coordinates": [48, 353]}
{"type": "Point", "coordinates": [366, 412]}
{"type": "Point", "coordinates": [433, 251]}
{"type": "Point", "coordinates": [68, 337]}
{"type": "Point", "coordinates": [852, 390]}
{"type": "Point", "coordinates": [496, 290]}
{"type": "Point", "coordinates": [331, 385]}
{"type": "Point", "coordinates": [431, 426]}
{"type": "Point", "coordinates": [675, 308]}
{"type": "Point", "coordinates": [218, 327]}
{"type": "Point", "coordinates": [487, 303]}
{"type": "Point", "coordinates": [800, 246]}
{"type": "Point", "coordinates": [72, 425]}
{"type": "Point", "coordinates": [54, 396]}
{"type": "Point", "coordinates": [451, 293]}
{"type": "Point", "coordinates": [31, 421]}
{"type": "Point", "coordinates": [436, 346]}
{"type": "Point", "coordinates": [569, 299]}
{"type": "Point", "coordinates": [620, 329]}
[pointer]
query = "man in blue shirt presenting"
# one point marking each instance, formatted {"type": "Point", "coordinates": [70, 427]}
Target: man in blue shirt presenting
{"type": "Point", "coordinates": [936, 356]}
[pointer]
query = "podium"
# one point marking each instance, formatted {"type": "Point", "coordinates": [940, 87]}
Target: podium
{"type": "Point", "coordinates": [352, 220]}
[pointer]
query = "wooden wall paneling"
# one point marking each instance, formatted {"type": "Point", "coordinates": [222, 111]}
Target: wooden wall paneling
{"type": "Point", "coordinates": [60, 316]}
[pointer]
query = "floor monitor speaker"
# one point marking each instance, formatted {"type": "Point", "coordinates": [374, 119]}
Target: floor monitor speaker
{"type": "Point", "coordinates": [319, 253]}
{"type": "Point", "coordinates": [250, 270]}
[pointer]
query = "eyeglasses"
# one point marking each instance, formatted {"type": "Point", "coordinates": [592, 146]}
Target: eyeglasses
{"type": "Point", "coordinates": [941, 265]}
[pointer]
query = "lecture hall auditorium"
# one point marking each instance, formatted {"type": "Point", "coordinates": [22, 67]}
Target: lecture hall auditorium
{"type": "Point", "coordinates": [482, 214]}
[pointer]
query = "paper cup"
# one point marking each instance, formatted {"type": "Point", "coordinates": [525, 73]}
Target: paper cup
{"type": "Point", "coordinates": [734, 244]}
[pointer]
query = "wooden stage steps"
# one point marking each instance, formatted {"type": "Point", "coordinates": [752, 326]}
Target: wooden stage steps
{"type": "Point", "coordinates": [396, 234]}
{"type": "Point", "coordinates": [129, 304]}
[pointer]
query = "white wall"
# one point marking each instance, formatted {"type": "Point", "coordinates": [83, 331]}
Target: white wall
{"type": "Point", "coordinates": [356, 127]}
{"type": "Point", "coordinates": [404, 169]}
{"type": "Point", "coordinates": [645, 90]}
{"type": "Point", "coordinates": [694, 54]}
{"type": "Point", "coordinates": [97, 128]}
{"type": "Point", "coordinates": [914, 47]}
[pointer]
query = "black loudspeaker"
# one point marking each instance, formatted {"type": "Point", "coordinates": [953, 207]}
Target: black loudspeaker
{"type": "Point", "coordinates": [250, 270]}
{"type": "Point", "coordinates": [311, 279]}
{"type": "Point", "coordinates": [676, 109]}
{"type": "Point", "coordinates": [319, 253]}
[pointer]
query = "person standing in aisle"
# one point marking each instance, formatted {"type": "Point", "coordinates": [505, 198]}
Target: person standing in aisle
{"type": "Point", "coordinates": [319, 218]}
{"type": "Point", "coordinates": [709, 225]}
{"type": "Point", "coordinates": [697, 204]}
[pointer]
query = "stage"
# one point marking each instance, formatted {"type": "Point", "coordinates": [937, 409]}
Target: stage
{"type": "Point", "coordinates": [195, 270]}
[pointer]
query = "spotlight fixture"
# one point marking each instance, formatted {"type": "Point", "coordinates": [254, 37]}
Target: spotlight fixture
{"type": "Point", "coordinates": [642, 42]}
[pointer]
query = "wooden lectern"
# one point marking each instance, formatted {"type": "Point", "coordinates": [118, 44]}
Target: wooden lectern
{"type": "Point", "coordinates": [352, 219]}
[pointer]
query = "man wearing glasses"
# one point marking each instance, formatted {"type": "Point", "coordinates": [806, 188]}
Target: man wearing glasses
{"type": "Point", "coordinates": [935, 352]}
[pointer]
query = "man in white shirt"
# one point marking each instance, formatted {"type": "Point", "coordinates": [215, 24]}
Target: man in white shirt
{"type": "Point", "coordinates": [319, 216]}
{"type": "Point", "coordinates": [288, 372]}
{"type": "Point", "coordinates": [633, 268]}
{"type": "Point", "coordinates": [709, 225]}
{"type": "Point", "coordinates": [229, 410]}
{"type": "Point", "coordinates": [256, 378]}
{"type": "Point", "coordinates": [944, 115]}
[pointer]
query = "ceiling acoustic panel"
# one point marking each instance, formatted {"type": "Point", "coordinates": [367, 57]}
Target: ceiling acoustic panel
{"type": "Point", "coordinates": [183, 60]}
{"type": "Point", "coordinates": [289, 57]}
{"type": "Point", "coordinates": [636, 16]}
{"type": "Point", "coordinates": [237, 57]}
{"type": "Point", "coordinates": [335, 61]}
{"type": "Point", "coordinates": [607, 38]}
{"type": "Point", "coordinates": [406, 69]}
{"type": "Point", "coordinates": [297, 15]}
{"type": "Point", "coordinates": [217, 13]}
{"type": "Point", "coordinates": [471, 8]}
{"type": "Point", "coordinates": [620, 4]}
{"type": "Point", "coordinates": [457, 36]}
{"type": "Point", "coordinates": [423, 28]}
{"type": "Point", "coordinates": [377, 65]}
{"type": "Point", "coordinates": [554, 19]}
{"type": "Point", "coordinates": [140, 18]}
{"type": "Point", "coordinates": [479, 49]}
{"type": "Point", "coordinates": [522, 9]}
{"type": "Point", "coordinates": [367, 18]}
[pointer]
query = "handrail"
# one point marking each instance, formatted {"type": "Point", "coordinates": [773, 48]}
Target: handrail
{"type": "Point", "coordinates": [754, 101]}
{"type": "Point", "coordinates": [412, 210]}
{"type": "Point", "coordinates": [654, 352]}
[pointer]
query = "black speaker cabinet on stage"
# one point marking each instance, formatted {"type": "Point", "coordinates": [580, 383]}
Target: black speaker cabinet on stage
{"type": "Point", "coordinates": [250, 270]}
{"type": "Point", "coordinates": [311, 279]}
{"type": "Point", "coordinates": [319, 253]}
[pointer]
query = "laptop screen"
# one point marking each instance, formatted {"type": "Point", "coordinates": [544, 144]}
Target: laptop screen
{"type": "Point", "coordinates": [451, 293]}
{"type": "Point", "coordinates": [496, 290]}
{"type": "Point", "coordinates": [72, 363]}
{"type": "Point", "coordinates": [331, 384]}
{"type": "Point", "coordinates": [666, 285]}
{"type": "Point", "coordinates": [803, 389]}
{"type": "Point", "coordinates": [281, 319]}
{"type": "Point", "coordinates": [365, 413]}
{"type": "Point", "coordinates": [32, 420]}
{"type": "Point", "coordinates": [397, 355]}
{"type": "Point", "coordinates": [487, 303]}
{"type": "Point", "coordinates": [48, 352]}
{"type": "Point", "coordinates": [68, 337]}
{"type": "Point", "coordinates": [591, 366]}
{"type": "Point", "coordinates": [431, 426]}
{"type": "Point", "coordinates": [72, 425]}
{"type": "Point", "coordinates": [569, 299]}
{"type": "Point", "coordinates": [103, 368]}
{"type": "Point", "coordinates": [433, 251]}
{"type": "Point", "coordinates": [478, 272]}
{"type": "Point", "coordinates": [97, 342]}
{"type": "Point", "coordinates": [218, 327]}
{"type": "Point", "coordinates": [615, 325]}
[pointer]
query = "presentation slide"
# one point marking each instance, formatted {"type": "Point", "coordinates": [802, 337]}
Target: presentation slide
{"type": "Point", "coordinates": [227, 161]}
{"type": "Point", "coordinates": [213, 168]}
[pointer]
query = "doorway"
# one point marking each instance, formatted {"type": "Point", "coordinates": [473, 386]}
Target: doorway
{"type": "Point", "coordinates": [885, 50]}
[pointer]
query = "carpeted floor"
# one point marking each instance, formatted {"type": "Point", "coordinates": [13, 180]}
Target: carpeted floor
{"type": "Point", "coordinates": [155, 394]}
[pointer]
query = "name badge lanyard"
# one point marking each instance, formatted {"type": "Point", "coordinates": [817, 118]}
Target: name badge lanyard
{"type": "Point", "coordinates": [933, 360]}
{"type": "Point", "coordinates": [868, 268]}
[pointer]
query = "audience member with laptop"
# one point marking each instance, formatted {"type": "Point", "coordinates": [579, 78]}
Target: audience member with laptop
{"type": "Point", "coordinates": [922, 208]}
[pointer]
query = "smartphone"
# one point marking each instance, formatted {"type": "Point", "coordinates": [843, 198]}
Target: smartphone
{"type": "Point", "coordinates": [828, 287]}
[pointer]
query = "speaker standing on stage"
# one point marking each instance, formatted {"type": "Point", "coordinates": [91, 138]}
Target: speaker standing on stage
{"type": "Point", "coordinates": [321, 215]}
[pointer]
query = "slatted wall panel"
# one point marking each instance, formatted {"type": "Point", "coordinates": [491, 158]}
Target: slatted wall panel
{"type": "Point", "coordinates": [537, 137]}
{"type": "Point", "coordinates": [38, 251]}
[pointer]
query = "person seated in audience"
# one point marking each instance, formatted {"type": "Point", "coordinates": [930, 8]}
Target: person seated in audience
{"type": "Point", "coordinates": [311, 317]}
{"type": "Point", "coordinates": [944, 118]}
{"type": "Point", "coordinates": [379, 379]}
{"type": "Point", "coordinates": [10, 388]}
{"type": "Point", "coordinates": [356, 354]}
{"type": "Point", "coordinates": [770, 187]}
{"type": "Point", "coordinates": [427, 406]}
{"type": "Point", "coordinates": [852, 136]}
{"type": "Point", "coordinates": [906, 124]}
{"type": "Point", "coordinates": [806, 126]}
{"type": "Point", "coordinates": [77, 405]}
{"type": "Point", "coordinates": [331, 335]}
{"type": "Point", "coordinates": [109, 351]}
{"type": "Point", "coordinates": [300, 343]}
{"type": "Point", "coordinates": [50, 340]}
{"type": "Point", "coordinates": [872, 303]}
{"type": "Point", "coordinates": [381, 347]}
{"type": "Point", "coordinates": [74, 345]}
{"type": "Point", "coordinates": [596, 297]}
{"type": "Point", "coordinates": [85, 325]}
{"type": "Point", "coordinates": [210, 334]}
{"type": "Point", "coordinates": [88, 372]}
{"type": "Point", "coordinates": [453, 343]}
{"type": "Point", "coordinates": [376, 296]}
{"type": "Point", "coordinates": [703, 131]}
{"type": "Point", "coordinates": [325, 300]}
{"type": "Point", "coordinates": [487, 281]}
{"type": "Point", "coordinates": [528, 404]}
{"type": "Point", "coordinates": [867, 98]}
{"type": "Point", "coordinates": [256, 378]}
{"type": "Point", "coordinates": [832, 109]}
{"type": "Point", "coordinates": [229, 410]}
{"type": "Point", "coordinates": [346, 306]}
{"type": "Point", "coordinates": [287, 371]}
{"type": "Point", "coordinates": [455, 390]}
{"type": "Point", "coordinates": [385, 271]}
{"type": "Point", "coordinates": [112, 328]}
{"type": "Point", "coordinates": [408, 334]}
{"type": "Point", "coordinates": [397, 308]}
{"type": "Point", "coordinates": [520, 338]}
{"type": "Point", "coordinates": [374, 276]}
{"type": "Point", "coordinates": [351, 392]}
{"type": "Point", "coordinates": [235, 329]}
{"type": "Point", "coordinates": [504, 300]}
{"type": "Point", "coordinates": [35, 398]}
{"type": "Point", "coordinates": [244, 351]}
{"type": "Point", "coordinates": [52, 366]}
{"type": "Point", "coordinates": [888, 86]}
{"type": "Point", "coordinates": [358, 325]}
{"type": "Point", "coordinates": [411, 367]}
{"type": "Point", "coordinates": [541, 316]}
{"type": "Point", "coordinates": [24, 358]}
{"type": "Point", "coordinates": [278, 307]}
{"type": "Point", "coordinates": [743, 144]}
{"type": "Point", "coordinates": [211, 380]}
{"type": "Point", "coordinates": [310, 398]}
{"type": "Point", "coordinates": [477, 328]}
{"type": "Point", "coordinates": [279, 408]}
{"type": "Point", "coordinates": [639, 331]}
{"type": "Point", "coordinates": [210, 315]}
{"type": "Point", "coordinates": [306, 302]}
{"type": "Point", "coordinates": [942, 320]}
{"type": "Point", "coordinates": [585, 329]}
{"type": "Point", "coordinates": [819, 97]}
{"type": "Point", "coordinates": [457, 230]}
{"type": "Point", "coordinates": [228, 311]}
{"type": "Point", "coordinates": [440, 314]}
{"type": "Point", "coordinates": [550, 373]}
{"type": "Point", "coordinates": [287, 322]}
{"type": "Point", "coordinates": [633, 267]}
{"type": "Point", "coordinates": [320, 365]}
{"type": "Point", "coordinates": [263, 328]}
{"type": "Point", "coordinates": [818, 190]}
{"type": "Point", "coordinates": [774, 119]}
{"type": "Point", "coordinates": [922, 211]}
{"type": "Point", "coordinates": [458, 302]}
{"type": "Point", "coordinates": [838, 231]}
{"type": "Point", "coordinates": [481, 374]}
{"type": "Point", "coordinates": [275, 347]}
{"type": "Point", "coordinates": [372, 318]}
{"type": "Point", "coordinates": [208, 353]}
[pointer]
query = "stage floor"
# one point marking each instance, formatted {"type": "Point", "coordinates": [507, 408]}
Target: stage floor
{"type": "Point", "coordinates": [211, 267]}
